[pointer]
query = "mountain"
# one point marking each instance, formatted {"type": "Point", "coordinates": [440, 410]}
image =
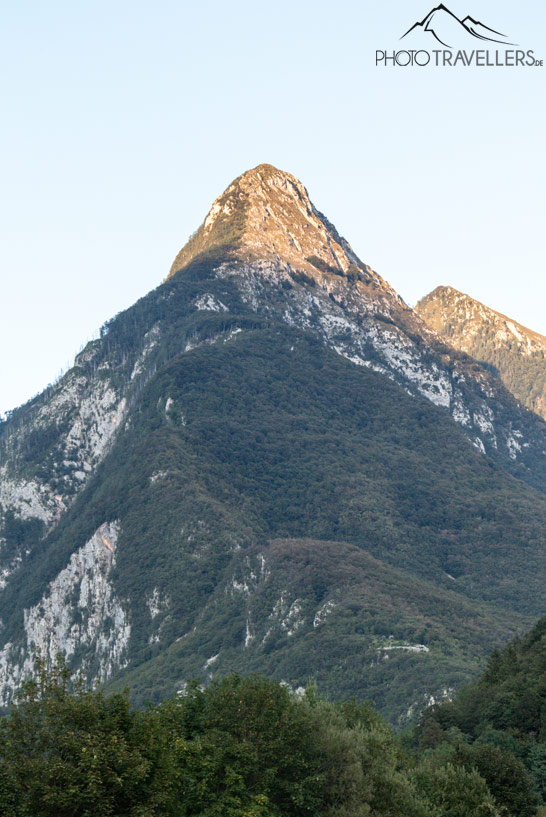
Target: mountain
{"type": "Point", "coordinates": [517, 355]}
{"type": "Point", "coordinates": [270, 462]}
{"type": "Point", "coordinates": [444, 27]}
{"type": "Point", "coordinates": [289, 262]}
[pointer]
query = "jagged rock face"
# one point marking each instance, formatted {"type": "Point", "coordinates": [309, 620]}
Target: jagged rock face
{"type": "Point", "coordinates": [289, 262]}
{"type": "Point", "coordinates": [50, 447]}
{"type": "Point", "coordinates": [73, 428]}
{"type": "Point", "coordinates": [47, 454]}
{"type": "Point", "coordinates": [447, 307]}
{"type": "Point", "coordinates": [516, 354]}
{"type": "Point", "coordinates": [267, 215]}
{"type": "Point", "coordinates": [72, 616]}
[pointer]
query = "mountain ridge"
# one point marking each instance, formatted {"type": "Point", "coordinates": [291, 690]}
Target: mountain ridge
{"type": "Point", "coordinates": [273, 389]}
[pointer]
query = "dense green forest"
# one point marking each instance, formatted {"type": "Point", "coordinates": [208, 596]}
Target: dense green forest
{"type": "Point", "coordinates": [241, 747]}
{"type": "Point", "coordinates": [253, 747]}
{"type": "Point", "coordinates": [498, 724]}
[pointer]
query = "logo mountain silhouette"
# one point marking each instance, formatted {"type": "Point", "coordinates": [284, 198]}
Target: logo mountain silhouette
{"type": "Point", "coordinates": [444, 25]}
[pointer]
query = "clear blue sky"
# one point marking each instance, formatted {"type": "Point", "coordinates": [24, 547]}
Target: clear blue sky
{"type": "Point", "coordinates": [122, 121]}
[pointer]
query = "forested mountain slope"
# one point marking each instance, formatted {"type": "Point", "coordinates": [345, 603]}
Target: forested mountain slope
{"type": "Point", "coordinates": [271, 463]}
{"type": "Point", "coordinates": [498, 724]}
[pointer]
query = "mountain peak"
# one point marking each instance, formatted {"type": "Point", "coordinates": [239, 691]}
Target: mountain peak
{"type": "Point", "coordinates": [266, 171]}
{"type": "Point", "coordinates": [266, 215]}
{"type": "Point", "coordinates": [471, 309]}
{"type": "Point", "coordinates": [515, 352]}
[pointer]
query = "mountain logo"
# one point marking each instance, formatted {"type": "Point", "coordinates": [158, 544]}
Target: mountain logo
{"type": "Point", "coordinates": [448, 30]}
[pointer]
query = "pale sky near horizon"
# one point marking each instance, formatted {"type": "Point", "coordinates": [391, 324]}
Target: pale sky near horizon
{"type": "Point", "coordinates": [121, 122]}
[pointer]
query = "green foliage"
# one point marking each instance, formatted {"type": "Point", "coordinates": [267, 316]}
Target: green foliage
{"type": "Point", "coordinates": [269, 435]}
{"type": "Point", "coordinates": [453, 791]}
{"type": "Point", "coordinates": [272, 438]}
{"type": "Point", "coordinates": [74, 753]}
{"type": "Point", "coordinates": [19, 532]}
{"type": "Point", "coordinates": [354, 273]}
{"type": "Point", "coordinates": [497, 725]}
{"type": "Point", "coordinates": [243, 747]}
{"type": "Point", "coordinates": [301, 277]}
{"type": "Point", "coordinates": [508, 780]}
{"type": "Point", "coordinates": [245, 742]}
{"type": "Point", "coordinates": [323, 266]}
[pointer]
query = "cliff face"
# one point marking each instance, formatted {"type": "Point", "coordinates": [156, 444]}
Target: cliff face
{"type": "Point", "coordinates": [78, 615]}
{"type": "Point", "coordinates": [271, 462]}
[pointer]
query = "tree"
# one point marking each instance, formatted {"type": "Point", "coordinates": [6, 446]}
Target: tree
{"type": "Point", "coordinates": [453, 791]}
{"type": "Point", "coordinates": [67, 752]}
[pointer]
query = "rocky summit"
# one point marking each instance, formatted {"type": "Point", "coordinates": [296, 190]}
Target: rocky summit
{"type": "Point", "coordinates": [267, 216]}
{"type": "Point", "coordinates": [517, 355]}
{"type": "Point", "coordinates": [271, 463]}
